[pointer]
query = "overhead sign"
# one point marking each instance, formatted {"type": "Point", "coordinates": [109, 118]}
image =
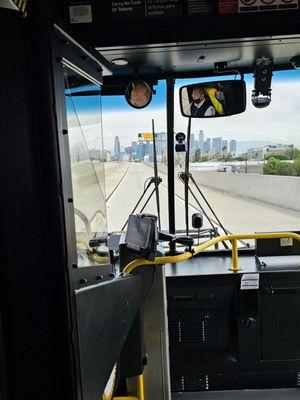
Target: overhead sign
{"type": "Point", "coordinates": [81, 14]}
{"type": "Point", "coordinates": [246, 6]}
{"type": "Point", "coordinates": [145, 136]}
{"type": "Point", "coordinates": [140, 9]}
{"type": "Point", "coordinates": [266, 5]}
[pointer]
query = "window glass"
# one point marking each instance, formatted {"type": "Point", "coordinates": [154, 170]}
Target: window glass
{"type": "Point", "coordinates": [246, 165]}
{"type": "Point", "coordinates": [128, 145]}
{"type": "Point", "coordinates": [87, 164]}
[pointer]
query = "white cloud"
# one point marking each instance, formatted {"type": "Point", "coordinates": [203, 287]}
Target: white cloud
{"type": "Point", "coordinates": [277, 123]}
{"type": "Point", "coordinates": [127, 125]}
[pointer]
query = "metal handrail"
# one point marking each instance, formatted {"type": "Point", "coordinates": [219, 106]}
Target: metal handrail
{"type": "Point", "coordinates": [232, 238]}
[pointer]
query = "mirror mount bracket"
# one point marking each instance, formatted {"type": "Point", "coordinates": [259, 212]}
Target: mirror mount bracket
{"type": "Point", "coordinates": [221, 68]}
{"type": "Point", "coordinates": [263, 72]}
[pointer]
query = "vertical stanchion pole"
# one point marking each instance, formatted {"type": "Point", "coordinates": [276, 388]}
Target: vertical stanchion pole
{"type": "Point", "coordinates": [170, 146]}
{"type": "Point", "coordinates": [235, 257]}
{"type": "Point", "coordinates": [141, 387]}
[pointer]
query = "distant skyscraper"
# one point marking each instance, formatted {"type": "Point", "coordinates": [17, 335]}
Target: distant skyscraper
{"type": "Point", "coordinates": [140, 151]}
{"type": "Point", "coordinates": [161, 143]}
{"type": "Point", "coordinates": [128, 151]}
{"type": "Point", "coordinates": [232, 146]}
{"type": "Point", "coordinates": [201, 140]}
{"type": "Point", "coordinates": [192, 142]}
{"type": "Point", "coordinates": [117, 148]}
{"type": "Point", "coordinates": [216, 145]}
{"type": "Point", "coordinates": [206, 147]}
{"type": "Point", "coordinates": [208, 140]}
{"type": "Point", "coordinates": [224, 145]}
{"type": "Point", "coordinates": [133, 145]}
{"type": "Point", "coordinates": [149, 149]}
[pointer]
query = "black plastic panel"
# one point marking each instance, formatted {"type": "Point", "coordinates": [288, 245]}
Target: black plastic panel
{"type": "Point", "coordinates": [280, 322]}
{"type": "Point", "coordinates": [105, 315]}
{"type": "Point", "coordinates": [225, 381]}
{"type": "Point", "coordinates": [274, 247]}
{"type": "Point", "coordinates": [223, 337]}
{"type": "Point", "coordinates": [202, 329]}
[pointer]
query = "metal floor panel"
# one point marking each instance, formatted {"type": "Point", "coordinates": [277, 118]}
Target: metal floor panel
{"type": "Point", "coordinates": [264, 394]}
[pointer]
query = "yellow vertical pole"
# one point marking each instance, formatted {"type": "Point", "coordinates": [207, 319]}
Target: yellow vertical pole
{"type": "Point", "coordinates": [235, 257]}
{"type": "Point", "coordinates": [141, 387]}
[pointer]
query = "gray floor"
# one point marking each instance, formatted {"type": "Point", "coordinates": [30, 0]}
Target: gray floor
{"type": "Point", "coordinates": [266, 394]}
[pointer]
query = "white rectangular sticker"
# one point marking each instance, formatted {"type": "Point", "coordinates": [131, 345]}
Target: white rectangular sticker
{"type": "Point", "coordinates": [250, 281]}
{"type": "Point", "coordinates": [81, 14]}
{"type": "Point", "coordinates": [286, 242]}
{"type": "Point", "coordinates": [266, 5]}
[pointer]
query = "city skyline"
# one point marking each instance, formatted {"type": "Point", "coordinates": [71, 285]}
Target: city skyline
{"type": "Point", "coordinates": [213, 148]}
{"type": "Point", "coordinates": [274, 124]}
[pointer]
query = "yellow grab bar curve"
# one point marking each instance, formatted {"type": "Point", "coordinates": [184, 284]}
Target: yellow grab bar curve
{"type": "Point", "coordinates": [233, 238]}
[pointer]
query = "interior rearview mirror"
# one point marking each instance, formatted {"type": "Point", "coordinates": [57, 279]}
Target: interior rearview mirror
{"type": "Point", "coordinates": [213, 99]}
{"type": "Point", "coordinates": [138, 94]}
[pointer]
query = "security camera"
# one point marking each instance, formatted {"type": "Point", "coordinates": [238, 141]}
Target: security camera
{"type": "Point", "coordinates": [263, 71]}
{"type": "Point", "coordinates": [260, 101]}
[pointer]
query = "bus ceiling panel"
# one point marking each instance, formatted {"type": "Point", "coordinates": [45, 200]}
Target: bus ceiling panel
{"type": "Point", "coordinates": [83, 54]}
{"type": "Point", "coordinates": [112, 23]}
{"type": "Point", "coordinates": [184, 29]}
{"type": "Point", "coordinates": [188, 58]}
{"type": "Point", "coordinates": [163, 46]}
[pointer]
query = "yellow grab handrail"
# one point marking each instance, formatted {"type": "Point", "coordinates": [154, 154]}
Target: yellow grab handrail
{"type": "Point", "coordinates": [232, 238]}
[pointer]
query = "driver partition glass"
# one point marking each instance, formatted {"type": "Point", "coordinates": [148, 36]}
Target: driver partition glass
{"type": "Point", "coordinates": [246, 165]}
{"type": "Point", "coordinates": [87, 164]}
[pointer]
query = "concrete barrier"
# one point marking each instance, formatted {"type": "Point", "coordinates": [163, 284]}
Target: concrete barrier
{"type": "Point", "coordinates": [283, 191]}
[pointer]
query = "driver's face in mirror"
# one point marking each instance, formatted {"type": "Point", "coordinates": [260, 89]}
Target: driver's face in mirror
{"type": "Point", "coordinates": [213, 99]}
{"type": "Point", "coordinates": [198, 95]}
{"type": "Point", "coordinates": [138, 94]}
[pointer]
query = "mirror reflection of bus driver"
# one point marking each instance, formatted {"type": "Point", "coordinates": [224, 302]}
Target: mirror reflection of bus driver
{"type": "Point", "coordinates": [200, 106]}
{"type": "Point", "coordinates": [140, 95]}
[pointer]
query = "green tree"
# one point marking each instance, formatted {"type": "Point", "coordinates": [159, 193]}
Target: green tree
{"type": "Point", "coordinates": [297, 167]}
{"type": "Point", "coordinates": [239, 158]}
{"type": "Point", "coordinates": [283, 156]}
{"type": "Point", "coordinates": [279, 167]}
{"type": "Point", "coordinates": [205, 158]}
{"type": "Point", "coordinates": [197, 155]}
{"type": "Point", "coordinates": [270, 167]}
{"type": "Point", "coordinates": [293, 154]}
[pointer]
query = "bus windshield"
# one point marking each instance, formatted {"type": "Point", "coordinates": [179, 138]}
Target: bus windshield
{"type": "Point", "coordinates": [247, 166]}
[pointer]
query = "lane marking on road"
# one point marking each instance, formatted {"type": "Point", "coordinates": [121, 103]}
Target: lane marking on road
{"type": "Point", "coordinates": [117, 186]}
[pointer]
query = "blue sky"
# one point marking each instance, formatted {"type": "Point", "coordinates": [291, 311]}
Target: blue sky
{"type": "Point", "coordinates": [277, 123]}
{"type": "Point", "coordinates": [119, 103]}
{"type": "Point", "coordinates": [112, 102]}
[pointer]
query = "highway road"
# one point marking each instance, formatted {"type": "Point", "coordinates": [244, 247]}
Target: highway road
{"type": "Point", "coordinates": [125, 184]}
